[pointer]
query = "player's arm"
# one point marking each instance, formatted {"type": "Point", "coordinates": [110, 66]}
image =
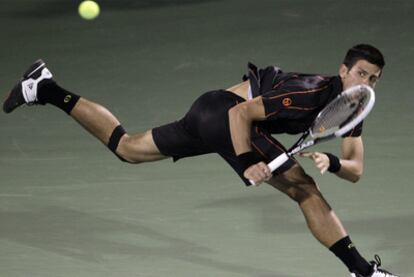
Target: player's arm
{"type": "Point", "coordinates": [350, 164]}
{"type": "Point", "coordinates": [241, 117]}
{"type": "Point", "coordinates": [352, 160]}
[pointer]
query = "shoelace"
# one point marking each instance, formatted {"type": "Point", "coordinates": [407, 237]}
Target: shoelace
{"type": "Point", "coordinates": [377, 264]}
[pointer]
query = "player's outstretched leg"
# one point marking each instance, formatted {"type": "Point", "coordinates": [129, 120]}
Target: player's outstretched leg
{"type": "Point", "coordinates": [38, 87]}
{"type": "Point", "coordinates": [323, 222]}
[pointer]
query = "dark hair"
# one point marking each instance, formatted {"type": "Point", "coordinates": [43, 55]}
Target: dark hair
{"type": "Point", "coordinates": [364, 52]}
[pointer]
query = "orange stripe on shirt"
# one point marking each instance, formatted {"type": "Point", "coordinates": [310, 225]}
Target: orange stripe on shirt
{"type": "Point", "coordinates": [260, 151]}
{"type": "Point", "coordinates": [269, 140]}
{"type": "Point", "coordinates": [277, 146]}
{"type": "Point", "coordinates": [298, 92]}
{"type": "Point", "coordinates": [271, 114]}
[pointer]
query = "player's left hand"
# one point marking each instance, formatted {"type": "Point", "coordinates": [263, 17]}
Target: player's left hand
{"type": "Point", "coordinates": [321, 160]}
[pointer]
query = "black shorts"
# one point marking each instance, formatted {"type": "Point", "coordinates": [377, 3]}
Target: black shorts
{"type": "Point", "coordinates": [205, 129]}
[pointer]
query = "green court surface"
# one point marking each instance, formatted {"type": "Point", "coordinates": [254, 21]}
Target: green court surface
{"type": "Point", "coordinates": [68, 207]}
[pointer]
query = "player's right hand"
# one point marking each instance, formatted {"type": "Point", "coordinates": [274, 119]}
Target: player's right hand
{"type": "Point", "coordinates": [258, 173]}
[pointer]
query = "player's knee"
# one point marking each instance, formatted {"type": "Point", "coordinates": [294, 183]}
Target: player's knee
{"type": "Point", "coordinates": [124, 153]}
{"type": "Point", "coordinates": [305, 192]}
{"type": "Point", "coordinates": [128, 159]}
{"type": "Point", "coordinates": [299, 186]}
{"type": "Point", "coordinates": [123, 156]}
{"type": "Point", "coordinates": [135, 149]}
{"type": "Point", "coordinates": [122, 159]}
{"type": "Point", "coordinates": [118, 137]}
{"type": "Point", "coordinates": [297, 175]}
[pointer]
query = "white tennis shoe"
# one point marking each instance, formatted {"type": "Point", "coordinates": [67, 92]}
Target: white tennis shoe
{"type": "Point", "coordinates": [25, 91]}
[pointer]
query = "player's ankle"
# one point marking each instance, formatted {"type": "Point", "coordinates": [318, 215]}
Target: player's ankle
{"type": "Point", "coordinates": [346, 251]}
{"type": "Point", "coordinates": [52, 93]}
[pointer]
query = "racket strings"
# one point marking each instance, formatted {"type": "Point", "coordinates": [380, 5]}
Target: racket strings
{"type": "Point", "coordinates": [338, 113]}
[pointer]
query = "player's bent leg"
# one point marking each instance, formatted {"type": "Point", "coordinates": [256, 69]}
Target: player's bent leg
{"type": "Point", "coordinates": [323, 222]}
{"type": "Point", "coordinates": [321, 219]}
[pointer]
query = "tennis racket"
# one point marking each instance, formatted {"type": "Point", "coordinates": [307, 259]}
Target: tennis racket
{"type": "Point", "coordinates": [338, 117]}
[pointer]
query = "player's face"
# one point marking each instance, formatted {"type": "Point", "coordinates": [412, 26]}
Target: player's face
{"type": "Point", "coordinates": [362, 73]}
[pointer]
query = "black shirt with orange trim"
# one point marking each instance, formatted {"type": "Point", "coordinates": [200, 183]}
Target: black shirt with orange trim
{"type": "Point", "coordinates": [293, 100]}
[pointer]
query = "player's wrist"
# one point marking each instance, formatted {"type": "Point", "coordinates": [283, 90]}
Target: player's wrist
{"type": "Point", "coordinates": [248, 159]}
{"type": "Point", "coordinates": [334, 163]}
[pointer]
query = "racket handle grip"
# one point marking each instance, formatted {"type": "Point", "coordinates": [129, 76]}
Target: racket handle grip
{"type": "Point", "coordinates": [275, 164]}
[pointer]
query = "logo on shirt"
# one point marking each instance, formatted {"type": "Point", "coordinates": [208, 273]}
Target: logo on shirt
{"type": "Point", "coordinates": [287, 102]}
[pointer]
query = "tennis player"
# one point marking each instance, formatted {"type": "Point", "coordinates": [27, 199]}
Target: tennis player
{"type": "Point", "coordinates": [238, 123]}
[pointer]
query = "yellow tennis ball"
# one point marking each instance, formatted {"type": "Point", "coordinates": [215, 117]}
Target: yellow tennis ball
{"type": "Point", "coordinates": [88, 9]}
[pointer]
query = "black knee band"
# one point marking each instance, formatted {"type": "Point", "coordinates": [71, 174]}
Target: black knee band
{"type": "Point", "coordinates": [116, 136]}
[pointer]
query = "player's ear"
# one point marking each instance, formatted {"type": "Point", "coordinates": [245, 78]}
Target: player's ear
{"type": "Point", "coordinates": [343, 71]}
